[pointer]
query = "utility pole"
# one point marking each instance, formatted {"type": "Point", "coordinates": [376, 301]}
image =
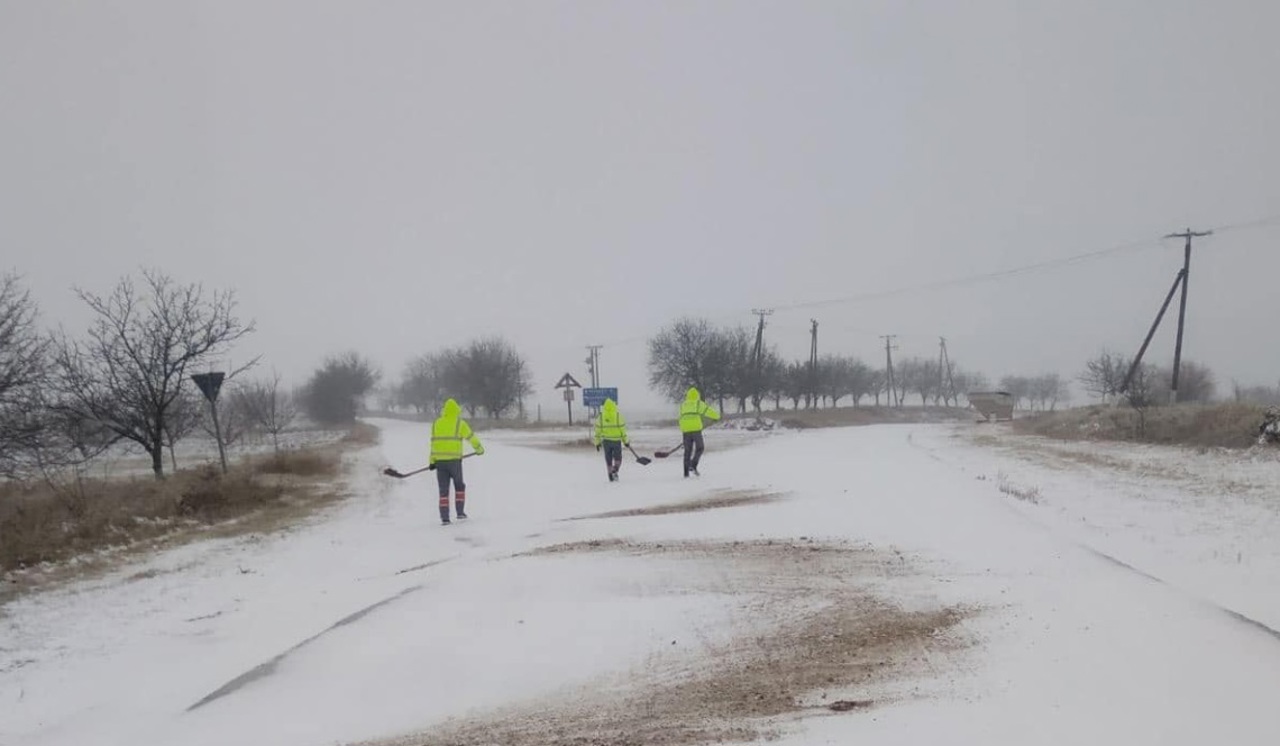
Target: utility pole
{"type": "Point", "coordinates": [888, 363]}
{"type": "Point", "coordinates": [944, 373]}
{"type": "Point", "coordinates": [757, 358]}
{"type": "Point", "coordinates": [593, 364]}
{"type": "Point", "coordinates": [1188, 234]}
{"type": "Point", "coordinates": [813, 362]}
{"type": "Point", "coordinates": [593, 368]}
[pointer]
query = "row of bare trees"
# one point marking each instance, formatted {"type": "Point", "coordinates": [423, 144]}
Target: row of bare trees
{"type": "Point", "coordinates": [1105, 376]}
{"type": "Point", "coordinates": [65, 399]}
{"type": "Point", "coordinates": [487, 375]}
{"type": "Point", "coordinates": [1044, 392]}
{"type": "Point", "coordinates": [724, 365]}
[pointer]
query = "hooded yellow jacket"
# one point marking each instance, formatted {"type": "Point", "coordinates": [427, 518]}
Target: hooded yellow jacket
{"type": "Point", "coordinates": [448, 432]}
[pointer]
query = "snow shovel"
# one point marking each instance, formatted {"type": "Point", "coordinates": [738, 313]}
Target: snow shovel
{"type": "Point", "coordinates": [642, 460]}
{"type": "Point", "coordinates": [401, 475]}
{"type": "Point", "coordinates": [664, 454]}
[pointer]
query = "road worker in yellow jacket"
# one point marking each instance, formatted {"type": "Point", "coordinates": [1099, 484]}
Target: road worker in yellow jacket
{"type": "Point", "coordinates": [447, 434]}
{"type": "Point", "coordinates": [611, 432]}
{"type": "Point", "coordinates": [692, 410]}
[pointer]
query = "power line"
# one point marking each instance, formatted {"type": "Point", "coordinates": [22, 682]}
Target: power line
{"type": "Point", "coordinates": [1271, 220]}
{"type": "Point", "coordinates": [971, 279]}
{"type": "Point", "coordinates": [1259, 223]}
{"type": "Point", "coordinates": [1012, 271]}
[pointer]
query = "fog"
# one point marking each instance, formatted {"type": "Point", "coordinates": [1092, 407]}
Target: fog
{"type": "Point", "coordinates": [398, 177]}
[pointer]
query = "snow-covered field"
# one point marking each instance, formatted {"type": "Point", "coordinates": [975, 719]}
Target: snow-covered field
{"type": "Point", "coordinates": [128, 459]}
{"type": "Point", "coordinates": [953, 585]}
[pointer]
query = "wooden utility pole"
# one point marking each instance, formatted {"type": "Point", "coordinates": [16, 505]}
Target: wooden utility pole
{"type": "Point", "coordinates": [888, 364]}
{"type": "Point", "coordinates": [1188, 234]}
{"type": "Point", "coordinates": [948, 391]}
{"type": "Point", "coordinates": [593, 364]}
{"type": "Point", "coordinates": [757, 358]}
{"type": "Point", "coordinates": [593, 369]}
{"type": "Point", "coordinates": [813, 362]}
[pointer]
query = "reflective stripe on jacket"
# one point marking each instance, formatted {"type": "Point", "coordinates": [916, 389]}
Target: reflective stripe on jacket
{"type": "Point", "coordinates": [448, 432]}
{"type": "Point", "coordinates": [610, 425]}
{"type": "Point", "coordinates": [692, 410]}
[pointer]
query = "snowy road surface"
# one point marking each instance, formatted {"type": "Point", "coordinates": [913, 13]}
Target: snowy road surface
{"type": "Point", "coordinates": [1091, 608]}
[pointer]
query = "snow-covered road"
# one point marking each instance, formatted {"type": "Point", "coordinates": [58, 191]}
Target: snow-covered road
{"type": "Point", "coordinates": [373, 621]}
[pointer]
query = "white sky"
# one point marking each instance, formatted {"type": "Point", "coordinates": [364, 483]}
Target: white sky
{"type": "Point", "coordinates": [397, 176]}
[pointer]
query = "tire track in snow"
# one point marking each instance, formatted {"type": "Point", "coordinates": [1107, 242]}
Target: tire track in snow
{"type": "Point", "coordinates": [1230, 613]}
{"type": "Point", "coordinates": [263, 670]}
{"type": "Point", "coordinates": [1233, 614]}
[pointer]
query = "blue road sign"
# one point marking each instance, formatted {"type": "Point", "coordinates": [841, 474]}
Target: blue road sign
{"type": "Point", "coordinates": [596, 397]}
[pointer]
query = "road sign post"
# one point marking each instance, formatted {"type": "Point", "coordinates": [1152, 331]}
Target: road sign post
{"type": "Point", "coordinates": [210, 384]}
{"type": "Point", "coordinates": [568, 383]}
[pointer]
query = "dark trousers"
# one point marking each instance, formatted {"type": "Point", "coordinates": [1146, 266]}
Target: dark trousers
{"type": "Point", "coordinates": [446, 472]}
{"type": "Point", "coordinates": [693, 448]}
{"type": "Point", "coordinates": [613, 455]}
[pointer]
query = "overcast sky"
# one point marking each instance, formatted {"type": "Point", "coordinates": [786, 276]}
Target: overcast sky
{"type": "Point", "coordinates": [393, 177]}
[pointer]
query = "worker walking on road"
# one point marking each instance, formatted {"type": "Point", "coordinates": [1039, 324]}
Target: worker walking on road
{"type": "Point", "coordinates": [611, 432]}
{"type": "Point", "coordinates": [692, 410]}
{"type": "Point", "coordinates": [447, 434]}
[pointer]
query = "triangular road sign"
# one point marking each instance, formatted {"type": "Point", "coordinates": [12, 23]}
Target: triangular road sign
{"type": "Point", "coordinates": [566, 381]}
{"type": "Point", "coordinates": [209, 384]}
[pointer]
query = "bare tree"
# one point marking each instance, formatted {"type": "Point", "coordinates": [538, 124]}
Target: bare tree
{"type": "Point", "coordinates": [1019, 387]}
{"type": "Point", "coordinates": [267, 407]}
{"type": "Point", "coordinates": [967, 381]}
{"type": "Point", "coordinates": [726, 366]}
{"type": "Point", "coordinates": [773, 372]}
{"type": "Point", "coordinates": [1104, 375]}
{"type": "Point", "coordinates": [184, 417]}
{"type": "Point", "coordinates": [918, 376]}
{"type": "Point", "coordinates": [1264, 395]}
{"type": "Point", "coordinates": [677, 357]}
{"type": "Point", "coordinates": [1047, 390]}
{"type": "Point", "coordinates": [495, 376]}
{"type": "Point", "coordinates": [423, 385]}
{"type": "Point", "coordinates": [24, 426]}
{"type": "Point", "coordinates": [861, 381]}
{"type": "Point", "coordinates": [129, 371]}
{"type": "Point", "coordinates": [1196, 383]}
{"type": "Point", "coordinates": [333, 394]}
{"type": "Point", "coordinates": [1142, 394]}
{"type": "Point", "coordinates": [880, 385]}
{"type": "Point", "coordinates": [488, 374]}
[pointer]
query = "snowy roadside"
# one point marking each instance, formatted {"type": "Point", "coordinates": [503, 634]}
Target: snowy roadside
{"type": "Point", "coordinates": [863, 584]}
{"type": "Point", "coordinates": [1204, 520]}
{"type": "Point", "coordinates": [125, 516]}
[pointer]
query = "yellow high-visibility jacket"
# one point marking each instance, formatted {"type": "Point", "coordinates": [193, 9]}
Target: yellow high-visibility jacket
{"type": "Point", "coordinates": [448, 432]}
{"type": "Point", "coordinates": [692, 410]}
{"type": "Point", "coordinates": [610, 425]}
